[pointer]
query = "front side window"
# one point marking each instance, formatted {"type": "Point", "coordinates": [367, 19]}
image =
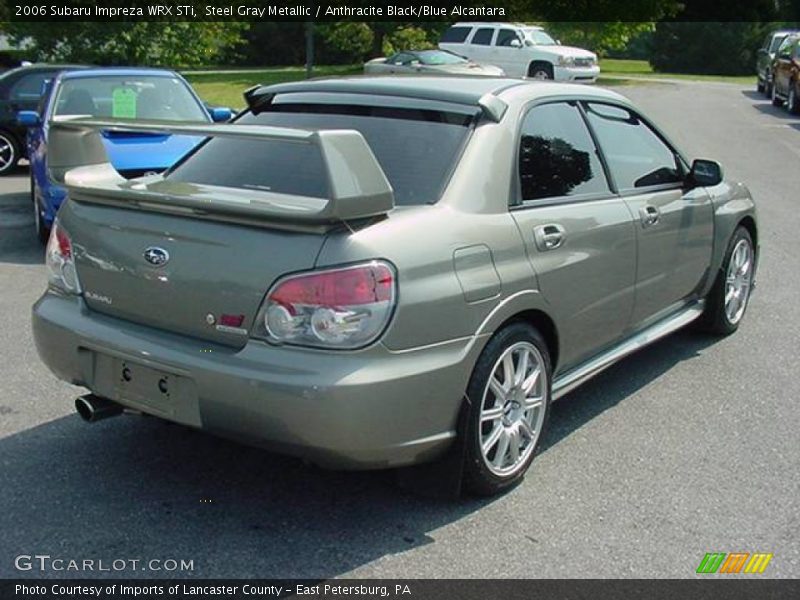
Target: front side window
{"type": "Point", "coordinates": [784, 50]}
{"type": "Point", "coordinates": [636, 155]}
{"type": "Point", "coordinates": [128, 97]}
{"type": "Point", "coordinates": [557, 156]}
{"type": "Point", "coordinates": [776, 42]}
{"type": "Point", "coordinates": [400, 59]}
{"type": "Point", "coordinates": [505, 37]}
{"type": "Point", "coordinates": [30, 87]}
{"type": "Point", "coordinates": [483, 37]}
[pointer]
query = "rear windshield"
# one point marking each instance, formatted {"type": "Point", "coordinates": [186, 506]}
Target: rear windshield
{"type": "Point", "coordinates": [417, 150]}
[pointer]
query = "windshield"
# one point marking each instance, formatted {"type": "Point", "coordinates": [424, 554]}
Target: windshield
{"type": "Point", "coordinates": [776, 42]}
{"type": "Point", "coordinates": [416, 149]}
{"type": "Point", "coordinates": [539, 37]}
{"type": "Point", "coordinates": [438, 57]}
{"type": "Point", "coordinates": [128, 97]}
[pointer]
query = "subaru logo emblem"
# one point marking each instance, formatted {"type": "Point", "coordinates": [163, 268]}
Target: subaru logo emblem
{"type": "Point", "coordinates": [156, 256]}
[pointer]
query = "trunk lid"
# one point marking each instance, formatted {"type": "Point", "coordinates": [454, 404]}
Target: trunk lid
{"type": "Point", "coordinates": [213, 268]}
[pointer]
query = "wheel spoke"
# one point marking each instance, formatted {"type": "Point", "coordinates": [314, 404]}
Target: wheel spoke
{"type": "Point", "coordinates": [521, 368]}
{"type": "Point", "coordinates": [492, 414]}
{"type": "Point", "coordinates": [498, 389]}
{"type": "Point", "coordinates": [513, 446]}
{"type": "Point", "coordinates": [533, 402]}
{"type": "Point", "coordinates": [502, 449]}
{"type": "Point", "coordinates": [508, 371]}
{"type": "Point", "coordinates": [526, 430]}
{"type": "Point", "coordinates": [531, 380]}
{"type": "Point", "coordinates": [493, 438]}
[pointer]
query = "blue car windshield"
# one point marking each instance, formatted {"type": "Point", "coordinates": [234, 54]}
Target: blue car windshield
{"type": "Point", "coordinates": [128, 97]}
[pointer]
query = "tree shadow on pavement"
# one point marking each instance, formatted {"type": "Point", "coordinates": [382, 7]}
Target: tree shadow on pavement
{"type": "Point", "coordinates": [134, 487]}
{"type": "Point", "coordinates": [766, 107]}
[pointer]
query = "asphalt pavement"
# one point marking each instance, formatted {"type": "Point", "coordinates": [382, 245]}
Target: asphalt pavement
{"type": "Point", "coordinates": [690, 446]}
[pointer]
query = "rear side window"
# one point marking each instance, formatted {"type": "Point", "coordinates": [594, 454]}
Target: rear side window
{"type": "Point", "coordinates": [557, 156]}
{"type": "Point", "coordinates": [455, 35]}
{"type": "Point", "coordinates": [636, 155]}
{"type": "Point", "coordinates": [483, 37]}
{"type": "Point", "coordinates": [417, 149]}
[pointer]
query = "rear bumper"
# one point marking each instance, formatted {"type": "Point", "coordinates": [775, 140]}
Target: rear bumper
{"type": "Point", "coordinates": [577, 74]}
{"type": "Point", "coordinates": [368, 409]}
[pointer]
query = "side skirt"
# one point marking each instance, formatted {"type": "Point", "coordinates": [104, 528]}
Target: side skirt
{"type": "Point", "coordinates": [574, 377]}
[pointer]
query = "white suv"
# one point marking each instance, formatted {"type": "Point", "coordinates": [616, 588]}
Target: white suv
{"type": "Point", "coordinates": [521, 51]}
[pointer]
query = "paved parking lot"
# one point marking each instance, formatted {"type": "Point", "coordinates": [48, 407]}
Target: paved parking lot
{"type": "Point", "coordinates": [689, 447]}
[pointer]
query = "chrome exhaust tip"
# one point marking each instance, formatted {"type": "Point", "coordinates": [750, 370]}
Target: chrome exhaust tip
{"type": "Point", "coordinates": [93, 408]}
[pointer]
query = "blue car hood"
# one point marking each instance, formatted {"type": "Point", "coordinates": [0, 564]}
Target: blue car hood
{"type": "Point", "coordinates": [146, 151]}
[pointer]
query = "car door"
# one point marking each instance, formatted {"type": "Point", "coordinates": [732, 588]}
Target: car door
{"type": "Point", "coordinates": [36, 138]}
{"type": "Point", "coordinates": [579, 235]}
{"type": "Point", "coordinates": [674, 224]}
{"type": "Point", "coordinates": [783, 63]}
{"type": "Point", "coordinates": [504, 55]}
{"type": "Point", "coordinates": [480, 45]}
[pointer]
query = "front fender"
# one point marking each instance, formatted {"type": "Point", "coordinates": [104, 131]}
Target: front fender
{"type": "Point", "coordinates": [732, 204]}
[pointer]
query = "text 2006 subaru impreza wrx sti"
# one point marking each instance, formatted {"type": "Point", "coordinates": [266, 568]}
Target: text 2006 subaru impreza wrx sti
{"type": "Point", "coordinates": [371, 272]}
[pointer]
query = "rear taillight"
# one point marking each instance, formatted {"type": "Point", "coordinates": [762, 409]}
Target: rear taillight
{"type": "Point", "coordinates": [342, 308]}
{"type": "Point", "coordinates": [60, 260]}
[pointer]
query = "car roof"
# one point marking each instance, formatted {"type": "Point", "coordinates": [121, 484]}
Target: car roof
{"type": "Point", "coordinates": [43, 67]}
{"type": "Point", "coordinates": [464, 90]}
{"type": "Point", "coordinates": [118, 72]}
{"type": "Point", "coordinates": [495, 24]}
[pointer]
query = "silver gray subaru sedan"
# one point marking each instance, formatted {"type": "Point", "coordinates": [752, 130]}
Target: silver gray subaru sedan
{"type": "Point", "coordinates": [380, 272]}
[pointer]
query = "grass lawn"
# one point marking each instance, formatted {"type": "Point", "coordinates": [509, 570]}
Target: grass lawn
{"type": "Point", "coordinates": [225, 89]}
{"type": "Point", "coordinates": [609, 67]}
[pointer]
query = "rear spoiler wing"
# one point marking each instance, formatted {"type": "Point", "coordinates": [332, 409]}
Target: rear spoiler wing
{"type": "Point", "coordinates": [357, 186]}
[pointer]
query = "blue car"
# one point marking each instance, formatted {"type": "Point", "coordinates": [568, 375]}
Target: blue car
{"type": "Point", "coordinates": [118, 93]}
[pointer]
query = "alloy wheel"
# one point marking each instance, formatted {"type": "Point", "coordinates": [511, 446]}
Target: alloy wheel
{"type": "Point", "coordinates": [8, 153]}
{"type": "Point", "coordinates": [513, 409]}
{"type": "Point", "coordinates": [737, 281]}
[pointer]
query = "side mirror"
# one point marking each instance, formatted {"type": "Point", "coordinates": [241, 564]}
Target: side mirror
{"type": "Point", "coordinates": [28, 118]}
{"type": "Point", "coordinates": [705, 173]}
{"type": "Point", "coordinates": [516, 43]}
{"type": "Point", "coordinates": [220, 114]}
{"type": "Point", "coordinates": [558, 42]}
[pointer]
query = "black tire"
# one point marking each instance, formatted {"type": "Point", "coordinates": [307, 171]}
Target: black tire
{"type": "Point", "coordinates": [41, 228]}
{"type": "Point", "coordinates": [541, 70]}
{"type": "Point", "coordinates": [9, 152]}
{"type": "Point", "coordinates": [715, 318]}
{"type": "Point", "coordinates": [760, 86]}
{"type": "Point", "coordinates": [776, 101]}
{"type": "Point", "coordinates": [478, 478]}
{"type": "Point", "coordinates": [792, 101]}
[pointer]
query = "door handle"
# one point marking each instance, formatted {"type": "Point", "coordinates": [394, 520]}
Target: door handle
{"type": "Point", "coordinates": [549, 237]}
{"type": "Point", "coordinates": [649, 215]}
